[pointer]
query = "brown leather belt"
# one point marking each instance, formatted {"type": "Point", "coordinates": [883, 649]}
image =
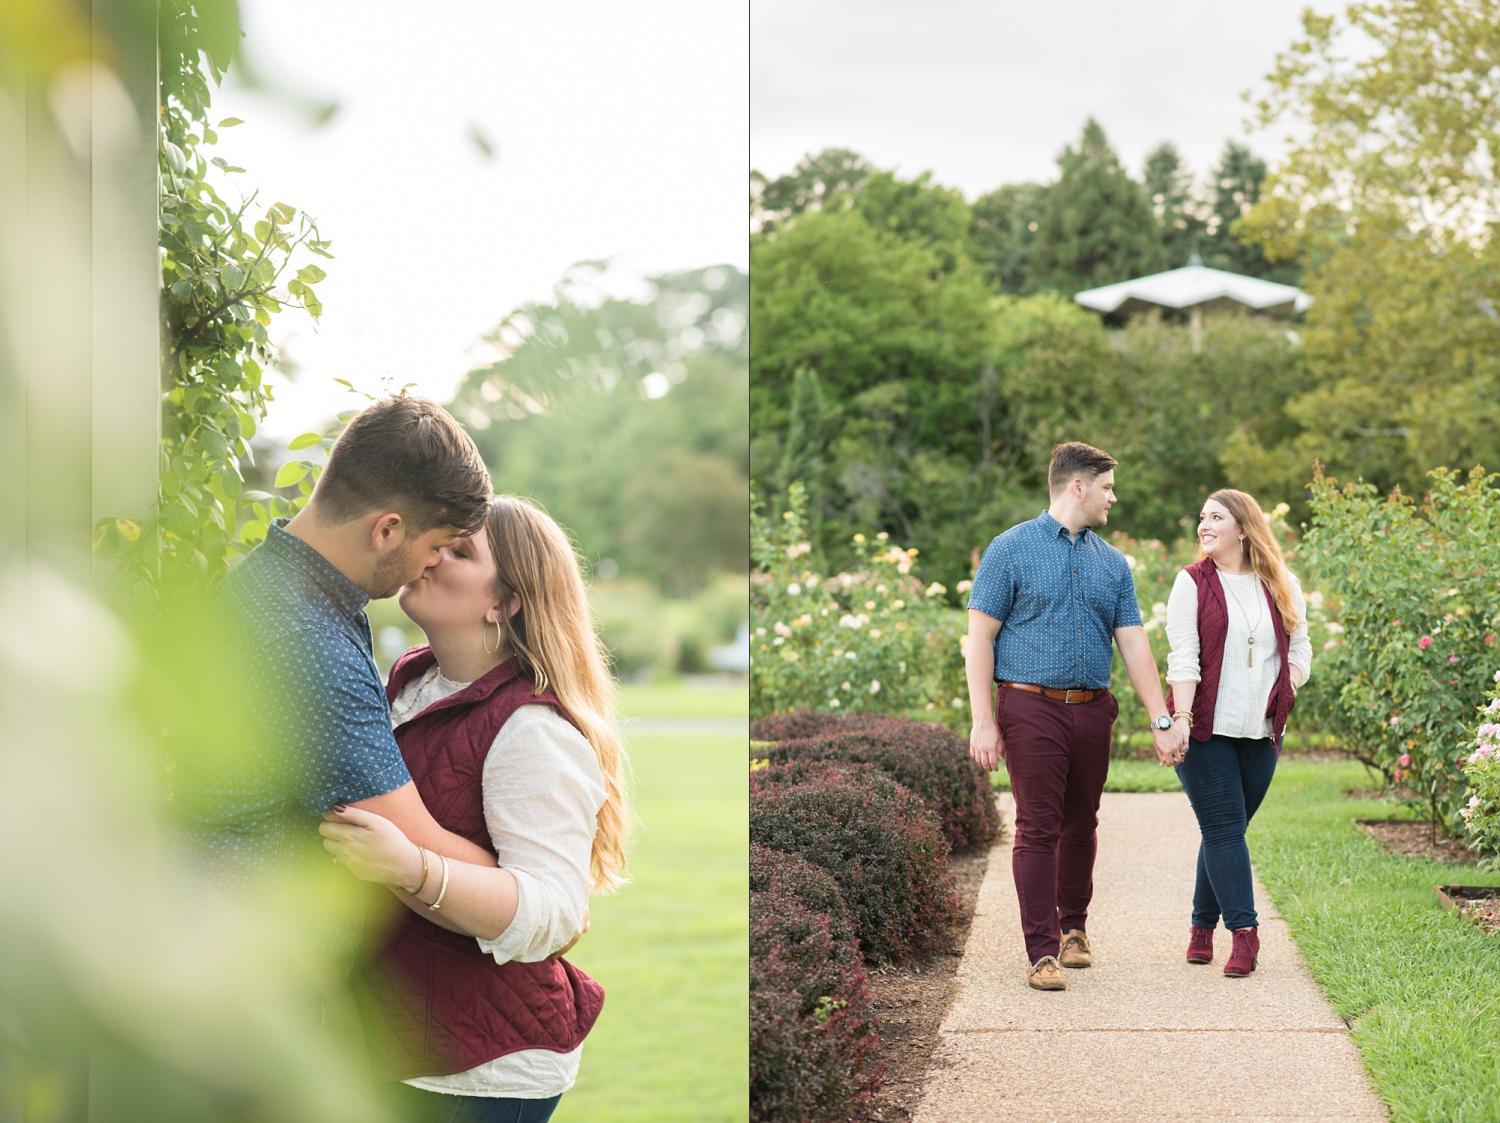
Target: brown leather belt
{"type": "Point", "coordinates": [1071, 697]}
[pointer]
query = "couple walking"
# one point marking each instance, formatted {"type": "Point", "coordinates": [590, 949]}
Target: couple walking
{"type": "Point", "coordinates": [482, 785]}
{"type": "Point", "coordinates": [1049, 597]}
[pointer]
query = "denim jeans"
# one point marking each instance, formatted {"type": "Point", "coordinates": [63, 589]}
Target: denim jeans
{"type": "Point", "coordinates": [1225, 779]}
{"type": "Point", "coordinates": [416, 1105]}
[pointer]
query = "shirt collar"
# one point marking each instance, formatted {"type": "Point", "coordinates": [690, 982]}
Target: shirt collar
{"type": "Point", "coordinates": [1055, 528]}
{"type": "Point", "coordinates": [348, 597]}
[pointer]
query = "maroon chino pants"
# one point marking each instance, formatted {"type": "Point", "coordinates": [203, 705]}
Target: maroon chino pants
{"type": "Point", "coordinates": [1058, 757]}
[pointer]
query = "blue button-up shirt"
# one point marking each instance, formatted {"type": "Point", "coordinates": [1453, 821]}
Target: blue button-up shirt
{"type": "Point", "coordinates": [1060, 601]}
{"type": "Point", "coordinates": [315, 726]}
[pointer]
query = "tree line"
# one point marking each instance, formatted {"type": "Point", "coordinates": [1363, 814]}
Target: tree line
{"type": "Point", "coordinates": [916, 355]}
{"type": "Point", "coordinates": [1097, 224]}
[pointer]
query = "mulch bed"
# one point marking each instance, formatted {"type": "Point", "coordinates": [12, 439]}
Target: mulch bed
{"type": "Point", "coordinates": [1412, 838]}
{"type": "Point", "coordinates": [1485, 913]}
{"type": "Point", "coordinates": [912, 998]}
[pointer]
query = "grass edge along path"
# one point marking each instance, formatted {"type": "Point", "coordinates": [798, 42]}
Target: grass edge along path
{"type": "Point", "coordinates": [1418, 986]}
{"type": "Point", "coordinates": [672, 947]}
{"type": "Point", "coordinates": [1124, 776]}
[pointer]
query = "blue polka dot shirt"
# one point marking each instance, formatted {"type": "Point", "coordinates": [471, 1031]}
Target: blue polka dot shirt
{"type": "Point", "coordinates": [1059, 601]}
{"type": "Point", "coordinates": [315, 723]}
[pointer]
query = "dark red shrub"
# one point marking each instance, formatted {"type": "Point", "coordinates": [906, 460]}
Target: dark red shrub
{"type": "Point", "coordinates": [881, 844]}
{"type": "Point", "coordinates": [798, 723]}
{"type": "Point", "coordinates": [804, 723]}
{"type": "Point", "coordinates": [774, 871]}
{"type": "Point", "coordinates": [813, 1044]}
{"type": "Point", "coordinates": [928, 759]}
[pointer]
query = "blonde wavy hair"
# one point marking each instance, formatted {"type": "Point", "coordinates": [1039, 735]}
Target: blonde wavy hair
{"type": "Point", "coordinates": [553, 637]}
{"type": "Point", "coordinates": [1261, 550]}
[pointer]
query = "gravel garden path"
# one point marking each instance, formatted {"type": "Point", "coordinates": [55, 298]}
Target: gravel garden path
{"type": "Point", "coordinates": [1141, 1035]}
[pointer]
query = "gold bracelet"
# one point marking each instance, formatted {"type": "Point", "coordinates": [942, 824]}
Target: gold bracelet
{"type": "Point", "coordinates": [425, 871]}
{"type": "Point", "coordinates": [1184, 713]}
{"type": "Point", "coordinates": [437, 904]}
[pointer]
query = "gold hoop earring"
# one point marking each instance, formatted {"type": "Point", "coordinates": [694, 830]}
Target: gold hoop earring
{"type": "Point", "coordinates": [484, 637]}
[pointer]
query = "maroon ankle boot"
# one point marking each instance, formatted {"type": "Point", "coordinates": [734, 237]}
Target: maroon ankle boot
{"type": "Point", "coordinates": [1246, 952]}
{"type": "Point", "coordinates": [1200, 945]}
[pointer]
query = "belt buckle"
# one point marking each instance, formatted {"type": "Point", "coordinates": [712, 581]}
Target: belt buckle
{"type": "Point", "coordinates": [1068, 696]}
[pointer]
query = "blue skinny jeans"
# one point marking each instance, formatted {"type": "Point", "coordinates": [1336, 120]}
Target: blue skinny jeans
{"type": "Point", "coordinates": [1225, 779]}
{"type": "Point", "coordinates": [416, 1105]}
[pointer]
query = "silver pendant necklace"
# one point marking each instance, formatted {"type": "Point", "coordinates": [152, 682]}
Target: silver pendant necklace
{"type": "Point", "coordinates": [1259, 616]}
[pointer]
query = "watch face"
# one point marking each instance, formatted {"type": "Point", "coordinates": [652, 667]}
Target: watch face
{"type": "Point", "coordinates": [1163, 722]}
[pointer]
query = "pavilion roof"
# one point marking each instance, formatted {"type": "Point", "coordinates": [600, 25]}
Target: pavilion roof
{"type": "Point", "coordinates": [1195, 286]}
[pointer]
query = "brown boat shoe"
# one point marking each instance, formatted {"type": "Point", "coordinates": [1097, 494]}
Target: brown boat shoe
{"type": "Point", "coordinates": [1075, 950]}
{"type": "Point", "coordinates": [1045, 974]}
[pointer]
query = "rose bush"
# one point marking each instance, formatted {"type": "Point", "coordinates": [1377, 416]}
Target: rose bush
{"type": "Point", "coordinates": [1415, 592]}
{"type": "Point", "coordinates": [1481, 811]}
{"type": "Point", "coordinates": [872, 641]}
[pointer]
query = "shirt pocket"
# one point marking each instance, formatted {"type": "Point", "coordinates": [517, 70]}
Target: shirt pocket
{"type": "Point", "coordinates": [1100, 596]}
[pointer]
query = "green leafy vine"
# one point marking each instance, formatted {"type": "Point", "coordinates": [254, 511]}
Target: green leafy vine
{"type": "Point", "coordinates": [227, 269]}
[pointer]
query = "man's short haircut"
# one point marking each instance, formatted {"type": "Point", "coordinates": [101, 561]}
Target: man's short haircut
{"type": "Point", "coordinates": [1076, 460]}
{"type": "Point", "coordinates": [406, 455]}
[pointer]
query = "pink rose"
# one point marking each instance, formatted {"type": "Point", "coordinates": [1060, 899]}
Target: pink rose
{"type": "Point", "coordinates": [1452, 658]}
{"type": "Point", "coordinates": [1397, 774]}
{"type": "Point", "coordinates": [1425, 642]}
{"type": "Point", "coordinates": [1396, 720]}
{"type": "Point", "coordinates": [1405, 760]}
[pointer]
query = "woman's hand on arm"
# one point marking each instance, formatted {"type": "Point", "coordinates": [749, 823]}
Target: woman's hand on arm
{"type": "Point", "coordinates": [475, 900]}
{"type": "Point", "coordinates": [404, 808]}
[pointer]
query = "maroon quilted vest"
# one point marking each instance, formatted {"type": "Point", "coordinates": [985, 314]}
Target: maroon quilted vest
{"type": "Point", "coordinates": [433, 1003]}
{"type": "Point", "coordinates": [1213, 627]}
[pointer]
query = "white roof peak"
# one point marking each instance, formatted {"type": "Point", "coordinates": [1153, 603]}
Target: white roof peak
{"type": "Point", "coordinates": [1195, 286]}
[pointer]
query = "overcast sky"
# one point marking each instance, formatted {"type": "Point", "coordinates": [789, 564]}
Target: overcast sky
{"type": "Point", "coordinates": [618, 129]}
{"type": "Point", "coordinates": [985, 92]}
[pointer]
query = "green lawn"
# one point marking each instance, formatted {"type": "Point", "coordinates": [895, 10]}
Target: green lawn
{"type": "Point", "coordinates": [1419, 986]}
{"type": "Point", "coordinates": [671, 948]}
{"type": "Point", "coordinates": [681, 698]}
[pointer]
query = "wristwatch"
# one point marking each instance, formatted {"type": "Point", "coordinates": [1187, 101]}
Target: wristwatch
{"type": "Point", "coordinates": [1163, 723]}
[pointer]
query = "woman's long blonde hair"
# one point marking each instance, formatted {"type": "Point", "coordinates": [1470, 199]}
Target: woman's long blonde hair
{"type": "Point", "coordinates": [553, 637]}
{"type": "Point", "coordinates": [1262, 551]}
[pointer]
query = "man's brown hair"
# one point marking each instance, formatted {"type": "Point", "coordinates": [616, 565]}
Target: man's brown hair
{"type": "Point", "coordinates": [1076, 460]}
{"type": "Point", "coordinates": [407, 455]}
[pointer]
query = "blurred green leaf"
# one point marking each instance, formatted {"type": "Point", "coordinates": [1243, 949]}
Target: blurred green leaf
{"type": "Point", "coordinates": [290, 473]}
{"type": "Point", "coordinates": [306, 440]}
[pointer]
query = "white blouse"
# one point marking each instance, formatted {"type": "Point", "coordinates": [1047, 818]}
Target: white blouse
{"type": "Point", "coordinates": [1245, 680]}
{"type": "Point", "coordinates": [543, 788]}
